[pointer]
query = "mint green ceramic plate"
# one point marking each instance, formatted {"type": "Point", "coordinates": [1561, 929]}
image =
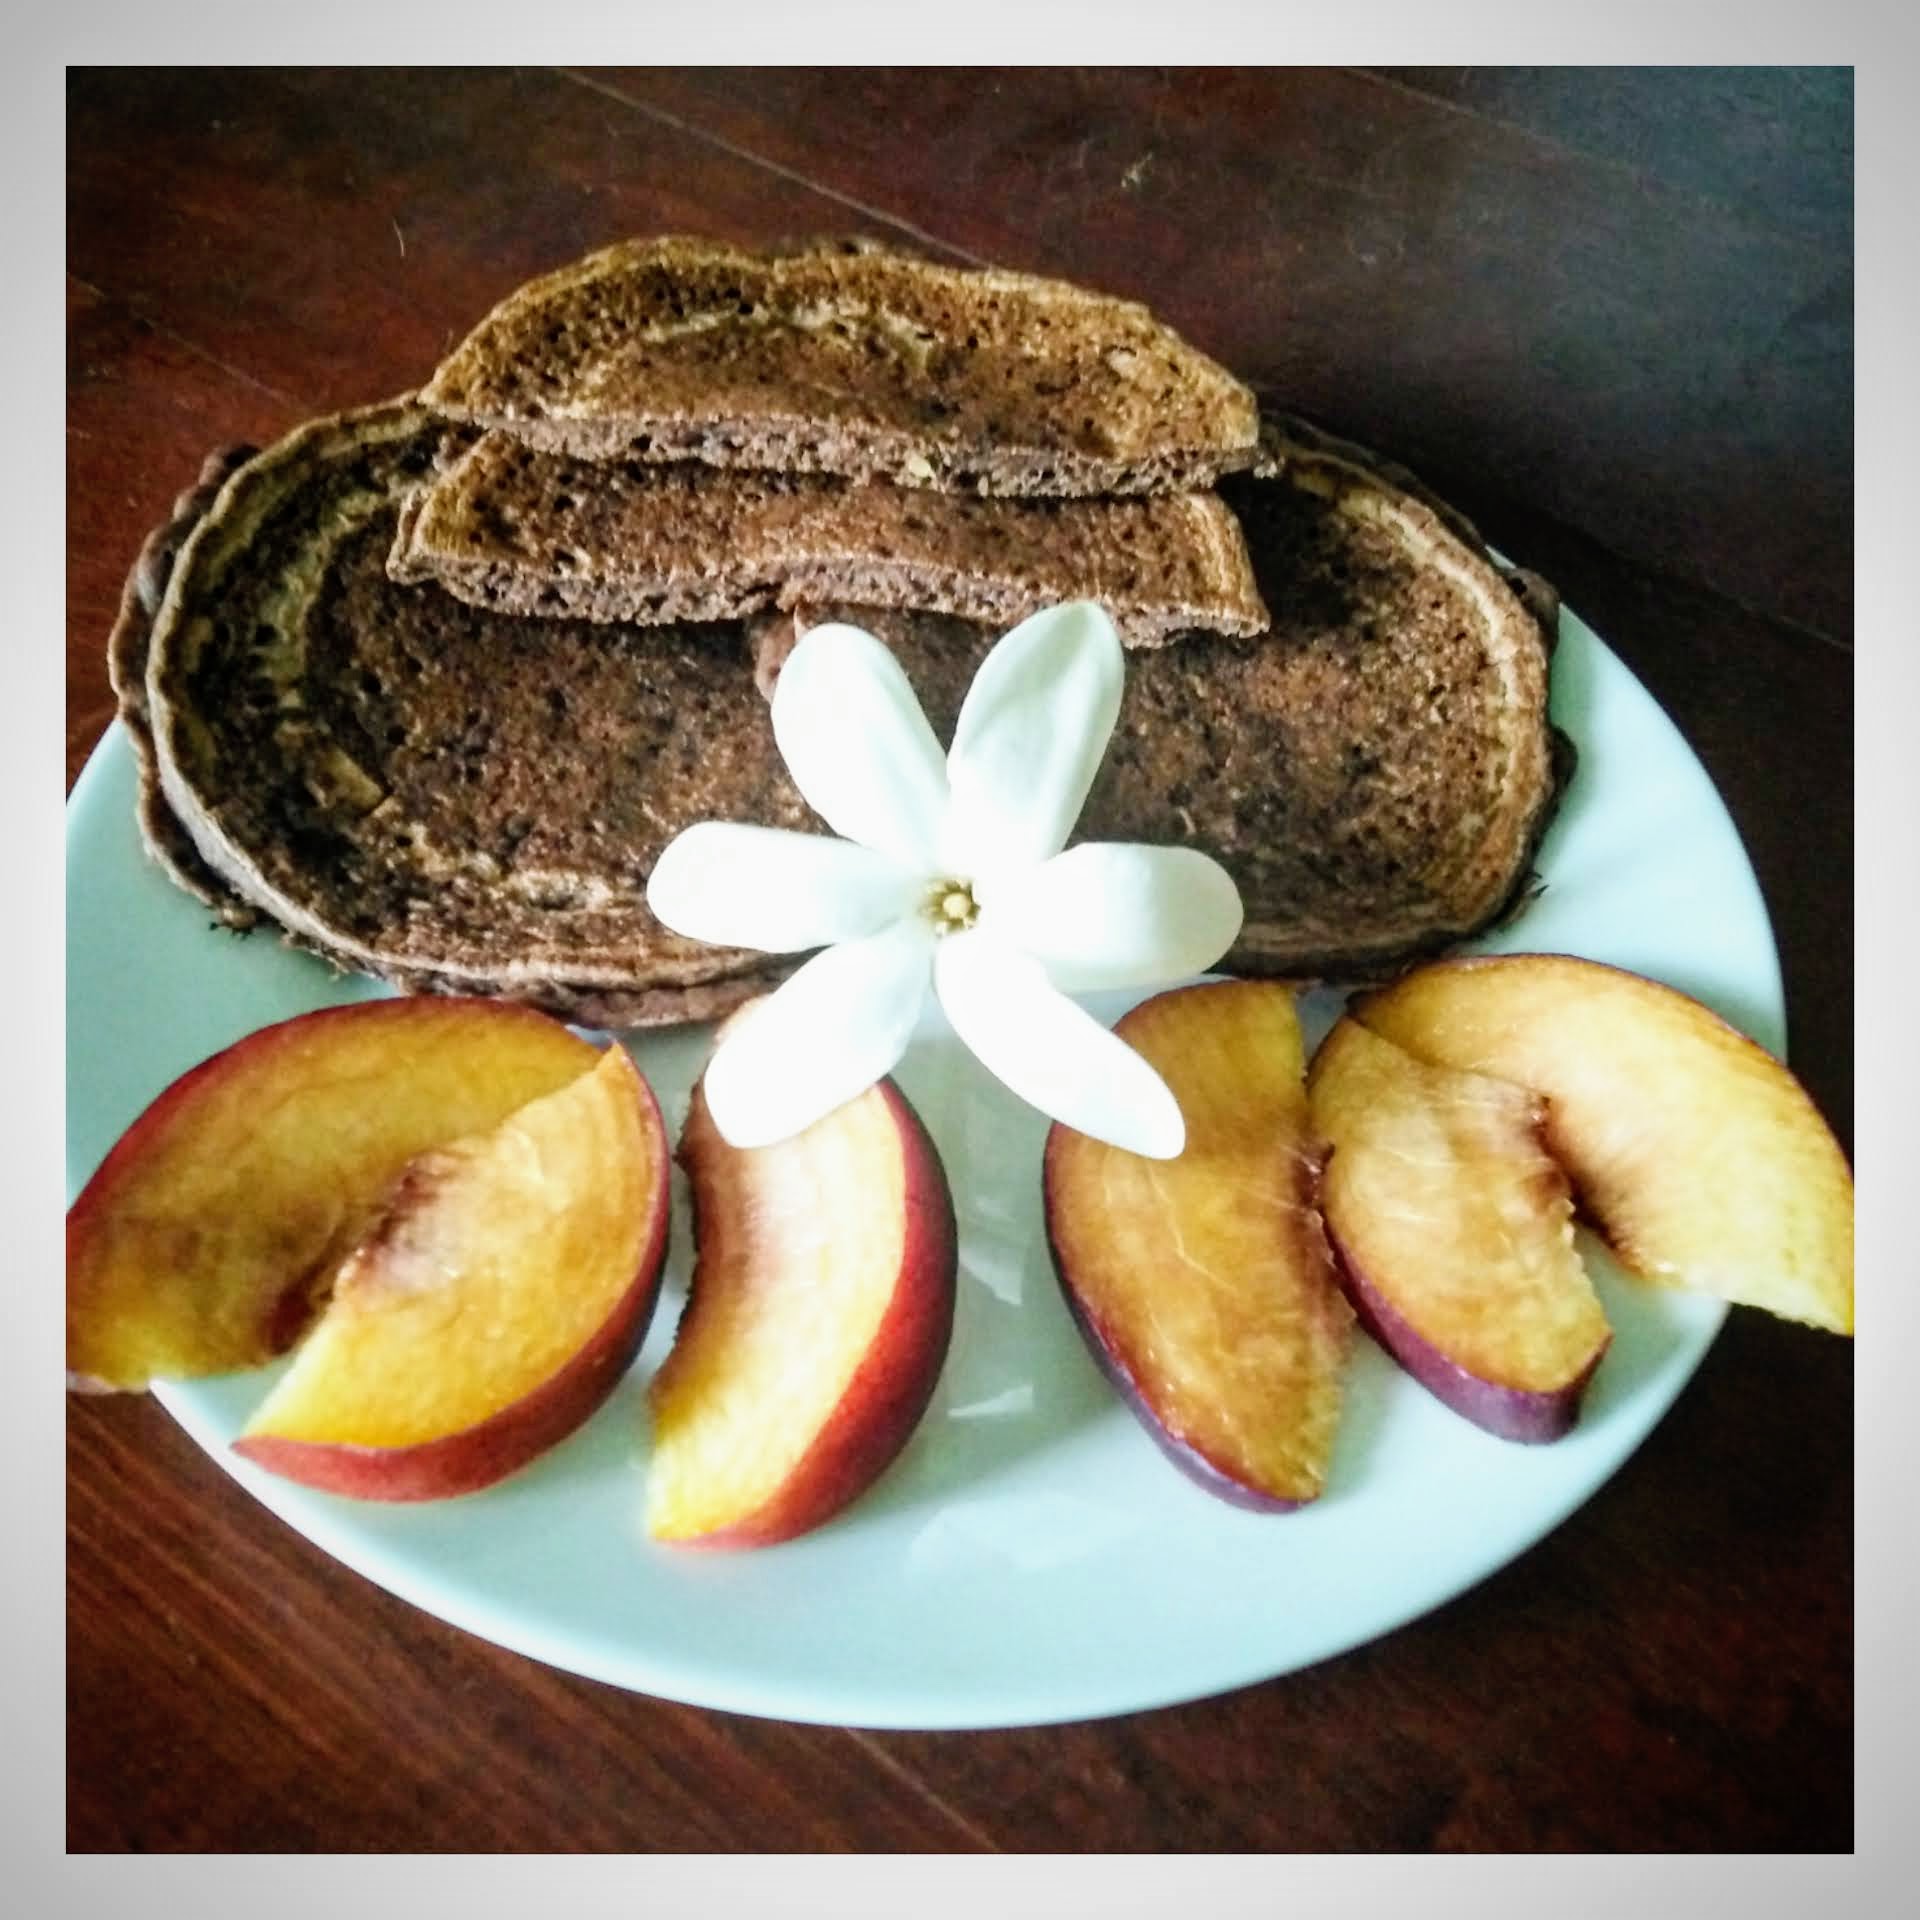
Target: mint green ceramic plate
{"type": "Point", "coordinates": [1031, 1557]}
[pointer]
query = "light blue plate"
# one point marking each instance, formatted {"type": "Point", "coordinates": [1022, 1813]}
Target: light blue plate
{"type": "Point", "coordinates": [1031, 1557]}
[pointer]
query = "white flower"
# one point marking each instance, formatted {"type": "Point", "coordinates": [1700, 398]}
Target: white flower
{"type": "Point", "coordinates": [951, 874]}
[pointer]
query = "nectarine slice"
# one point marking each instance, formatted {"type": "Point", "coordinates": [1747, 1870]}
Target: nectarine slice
{"type": "Point", "coordinates": [1203, 1285]}
{"type": "Point", "coordinates": [1454, 1233]}
{"type": "Point", "coordinates": [816, 1324]}
{"type": "Point", "coordinates": [198, 1245]}
{"type": "Point", "coordinates": [497, 1302]}
{"type": "Point", "coordinates": [1698, 1156]}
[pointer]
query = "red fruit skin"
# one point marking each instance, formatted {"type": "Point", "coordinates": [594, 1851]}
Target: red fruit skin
{"type": "Point", "coordinates": [894, 1382]}
{"type": "Point", "coordinates": [1513, 1413]}
{"type": "Point", "coordinates": [481, 1456]}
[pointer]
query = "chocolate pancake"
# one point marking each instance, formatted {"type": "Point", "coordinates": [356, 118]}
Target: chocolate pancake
{"type": "Point", "coordinates": [463, 800]}
{"type": "Point", "coordinates": [844, 356]}
{"type": "Point", "coordinates": [452, 799]}
{"type": "Point", "coordinates": [509, 527]}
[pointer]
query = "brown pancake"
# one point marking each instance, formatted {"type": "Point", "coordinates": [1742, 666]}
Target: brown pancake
{"type": "Point", "coordinates": [460, 800]}
{"type": "Point", "coordinates": [843, 356]}
{"type": "Point", "coordinates": [450, 799]}
{"type": "Point", "coordinates": [510, 527]}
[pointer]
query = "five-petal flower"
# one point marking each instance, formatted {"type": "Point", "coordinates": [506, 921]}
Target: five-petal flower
{"type": "Point", "coordinates": [950, 871]}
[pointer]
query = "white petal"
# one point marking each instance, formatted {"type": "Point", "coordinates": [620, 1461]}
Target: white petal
{"type": "Point", "coordinates": [779, 892]}
{"type": "Point", "coordinates": [859, 748]}
{"type": "Point", "coordinates": [821, 1038]}
{"type": "Point", "coordinates": [1110, 915]}
{"type": "Point", "coordinates": [1029, 739]}
{"type": "Point", "coordinates": [1053, 1054]}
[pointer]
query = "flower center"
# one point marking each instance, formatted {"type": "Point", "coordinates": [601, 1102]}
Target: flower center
{"type": "Point", "coordinates": [951, 907]}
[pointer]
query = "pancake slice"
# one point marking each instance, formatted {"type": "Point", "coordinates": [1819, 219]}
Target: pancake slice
{"type": "Point", "coordinates": [508, 527]}
{"type": "Point", "coordinates": [844, 356]}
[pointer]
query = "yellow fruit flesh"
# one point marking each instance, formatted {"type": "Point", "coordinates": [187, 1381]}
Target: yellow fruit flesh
{"type": "Point", "coordinates": [497, 1260]}
{"type": "Point", "coordinates": [1440, 1194]}
{"type": "Point", "coordinates": [1700, 1157]}
{"type": "Point", "coordinates": [1208, 1275]}
{"type": "Point", "coordinates": [191, 1249]}
{"type": "Point", "coordinates": [800, 1248]}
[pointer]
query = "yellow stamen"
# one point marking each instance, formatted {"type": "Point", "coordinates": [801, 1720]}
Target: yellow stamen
{"type": "Point", "coordinates": [951, 906]}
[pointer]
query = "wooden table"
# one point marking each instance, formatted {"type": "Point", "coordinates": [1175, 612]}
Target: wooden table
{"type": "Point", "coordinates": [1610, 315]}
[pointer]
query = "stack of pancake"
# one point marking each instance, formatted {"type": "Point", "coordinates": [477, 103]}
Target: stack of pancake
{"type": "Point", "coordinates": [431, 684]}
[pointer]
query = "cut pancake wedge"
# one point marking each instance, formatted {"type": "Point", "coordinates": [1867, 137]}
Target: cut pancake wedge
{"type": "Point", "coordinates": [510, 527]}
{"type": "Point", "coordinates": [843, 356]}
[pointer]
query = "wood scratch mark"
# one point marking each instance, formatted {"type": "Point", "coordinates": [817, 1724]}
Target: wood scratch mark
{"type": "Point", "coordinates": [401, 237]}
{"type": "Point", "coordinates": [945, 248]}
{"type": "Point", "coordinates": [180, 340]}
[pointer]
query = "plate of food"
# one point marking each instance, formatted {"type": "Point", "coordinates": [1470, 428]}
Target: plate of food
{"type": "Point", "coordinates": [983, 1419]}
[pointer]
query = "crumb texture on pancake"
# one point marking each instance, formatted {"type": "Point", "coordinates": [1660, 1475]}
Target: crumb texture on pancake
{"type": "Point", "coordinates": [848, 357]}
{"type": "Point", "coordinates": [510, 527]}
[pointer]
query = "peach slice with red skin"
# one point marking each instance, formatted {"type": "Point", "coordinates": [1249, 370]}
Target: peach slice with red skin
{"type": "Point", "coordinates": [817, 1321]}
{"type": "Point", "coordinates": [497, 1302]}
{"type": "Point", "coordinates": [204, 1239]}
{"type": "Point", "coordinates": [1698, 1156]}
{"type": "Point", "coordinates": [1454, 1233]}
{"type": "Point", "coordinates": [1203, 1285]}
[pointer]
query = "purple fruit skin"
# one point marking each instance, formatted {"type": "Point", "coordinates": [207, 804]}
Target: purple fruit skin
{"type": "Point", "coordinates": [1190, 1460]}
{"type": "Point", "coordinates": [1512, 1413]}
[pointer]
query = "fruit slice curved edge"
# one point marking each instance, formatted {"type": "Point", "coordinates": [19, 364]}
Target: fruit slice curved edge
{"type": "Point", "coordinates": [201, 1241]}
{"type": "Point", "coordinates": [1453, 1230]}
{"type": "Point", "coordinates": [817, 1322]}
{"type": "Point", "coordinates": [1203, 1286]}
{"type": "Point", "coordinates": [1702, 1161]}
{"type": "Point", "coordinates": [497, 1302]}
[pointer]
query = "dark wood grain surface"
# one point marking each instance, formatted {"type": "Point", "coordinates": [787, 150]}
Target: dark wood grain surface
{"type": "Point", "coordinates": [1610, 314]}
